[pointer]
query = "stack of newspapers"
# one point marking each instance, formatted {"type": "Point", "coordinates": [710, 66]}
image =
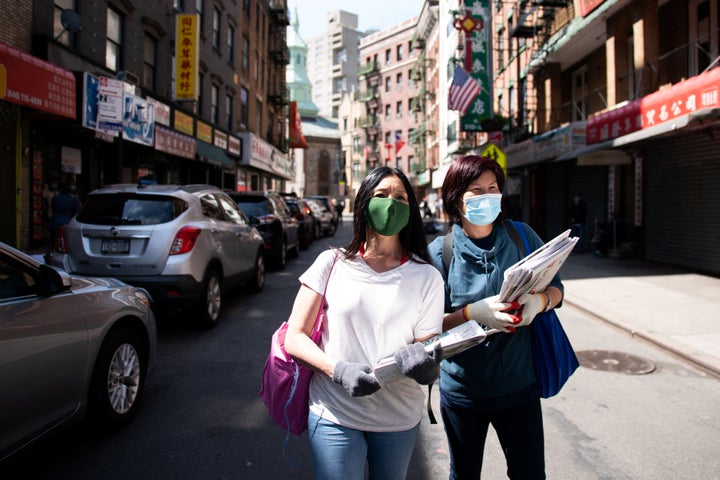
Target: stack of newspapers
{"type": "Point", "coordinates": [535, 272]}
{"type": "Point", "coordinates": [530, 275]}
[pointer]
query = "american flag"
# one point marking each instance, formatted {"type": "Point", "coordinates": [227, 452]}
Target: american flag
{"type": "Point", "coordinates": [463, 90]}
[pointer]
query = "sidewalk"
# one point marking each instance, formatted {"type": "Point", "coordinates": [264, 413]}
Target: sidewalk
{"type": "Point", "coordinates": [670, 307]}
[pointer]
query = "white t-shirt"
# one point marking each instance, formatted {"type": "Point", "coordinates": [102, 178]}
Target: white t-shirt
{"type": "Point", "coordinates": [370, 316]}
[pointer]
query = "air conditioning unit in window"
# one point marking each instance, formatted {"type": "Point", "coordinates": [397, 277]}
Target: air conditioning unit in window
{"type": "Point", "coordinates": [128, 76]}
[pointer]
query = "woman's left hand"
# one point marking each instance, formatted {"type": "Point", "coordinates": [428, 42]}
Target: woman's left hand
{"type": "Point", "coordinates": [531, 304]}
{"type": "Point", "coordinates": [415, 362]}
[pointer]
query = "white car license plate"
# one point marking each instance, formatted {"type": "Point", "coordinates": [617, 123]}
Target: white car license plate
{"type": "Point", "coordinates": [115, 246]}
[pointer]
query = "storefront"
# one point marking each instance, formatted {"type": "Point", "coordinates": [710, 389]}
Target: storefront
{"type": "Point", "coordinates": [32, 91]}
{"type": "Point", "coordinates": [262, 166]}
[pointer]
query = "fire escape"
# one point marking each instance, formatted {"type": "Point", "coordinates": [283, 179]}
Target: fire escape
{"type": "Point", "coordinates": [370, 96]}
{"type": "Point", "coordinates": [280, 57]}
{"type": "Point", "coordinates": [535, 22]}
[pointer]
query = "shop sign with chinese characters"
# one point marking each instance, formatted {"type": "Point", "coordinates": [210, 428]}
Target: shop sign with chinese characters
{"type": "Point", "coordinates": [187, 57]}
{"type": "Point", "coordinates": [696, 93]}
{"type": "Point", "coordinates": [29, 81]}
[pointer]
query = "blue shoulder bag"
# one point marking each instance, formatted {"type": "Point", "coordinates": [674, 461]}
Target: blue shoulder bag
{"type": "Point", "coordinates": [553, 354]}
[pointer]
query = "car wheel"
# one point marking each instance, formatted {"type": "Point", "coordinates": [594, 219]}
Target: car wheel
{"type": "Point", "coordinates": [118, 379]}
{"type": "Point", "coordinates": [210, 299]}
{"type": "Point", "coordinates": [295, 250]}
{"type": "Point", "coordinates": [331, 230]}
{"type": "Point", "coordinates": [257, 281]}
{"type": "Point", "coordinates": [318, 232]}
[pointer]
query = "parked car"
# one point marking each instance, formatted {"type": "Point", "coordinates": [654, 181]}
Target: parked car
{"type": "Point", "coordinates": [308, 228]}
{"type": "Point", "coordinates": [323, 217]}
{"type": "Point", "coordinates": [272, 217]}
{"type": "Point", "coordinates": [72, 348]}
{"type": "Point", "coordinates": [329, 205]}
{"type": "Point", "coordinates": [187, 245]}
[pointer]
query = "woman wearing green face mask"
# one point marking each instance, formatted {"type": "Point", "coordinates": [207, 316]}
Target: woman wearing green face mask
{"type": "Point", "coordinates": [382, 296]}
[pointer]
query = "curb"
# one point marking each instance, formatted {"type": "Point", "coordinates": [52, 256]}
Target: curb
{"type": "Point", "coordinates": [708, 368]}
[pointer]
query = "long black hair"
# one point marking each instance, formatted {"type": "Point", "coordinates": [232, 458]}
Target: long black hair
{"type": "Point", "coordinates": [412, 236]}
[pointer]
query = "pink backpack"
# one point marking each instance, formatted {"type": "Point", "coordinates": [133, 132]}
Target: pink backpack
{"type": "Point", "coordinates": [286, 384]}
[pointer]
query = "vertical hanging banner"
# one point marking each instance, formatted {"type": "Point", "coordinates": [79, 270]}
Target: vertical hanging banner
{"type": "Point", "coordinates": [297, 139]}
{"type": "Point", "coordinates": [186, 56]}
{"type": "Point", "coordinates": [475, 25]}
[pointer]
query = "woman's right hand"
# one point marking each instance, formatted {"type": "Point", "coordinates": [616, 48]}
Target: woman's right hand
{"type": "Point", "coordinates": [356, 378]}
{"type": "Point", "coordinates": [493, 314]}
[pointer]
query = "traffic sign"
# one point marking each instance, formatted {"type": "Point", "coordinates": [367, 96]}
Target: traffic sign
{"type": "Point", "coordinates": [494, 152]}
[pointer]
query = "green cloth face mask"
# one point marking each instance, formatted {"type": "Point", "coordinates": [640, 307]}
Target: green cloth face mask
{"type": "Point", "coordinates": [387, 216]}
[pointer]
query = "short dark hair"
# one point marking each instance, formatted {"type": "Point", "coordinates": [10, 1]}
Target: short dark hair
{"type": "Point", "coordinates": [460, 175]}
{"type": "Point", "coordinates": [412, 237]}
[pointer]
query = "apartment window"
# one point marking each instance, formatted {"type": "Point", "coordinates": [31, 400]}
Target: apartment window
{"type": "Point", "coordinates": [178, 5]}
{"type": "Point", "coordinates": [258, 117]}
{"type": "Point", "coordinates": [113, 44]}
{"type": "Point", "coordinates": [199, 10]}
{"type": "Point", "coordinates": [246, 8]}
{"type": "Point", "coordinates": [579, 94]}
{"type": "Point", "coordinates": [243, 108]}
{"type": "Point", "coordinates": [388, 57]}
{"type": "Point", "coordinates": [231, 44]}
{"type": "Point", "coordinates": [387, 112]}
{"type": "Point", "coordinates": [399, 109]}
{"type": "Point", "coordinates": [388, 82]}
{"type": "Point", "coordinates": [214, 104]}
{"type": "Point", "coordinates": [229, 117]}
{"type": "Point", "coordinates": [200, 101]}
{"type": "Point", "coordinates": [387, 138]}
{"type": "Point", "coordinates": [703, 18]}
{"type": "Point", "coordinates": [399, 81]}
{"type": "Point", "coordinates": [149, 55]}
{"type": "Point", "coordinates": [399, 53]}
{"type": "Point", "coordinates": [216, 28]}
{"type": "Point", "coordinates": [245, 62]}
{"type": "Point", "coordinates": [59, 33]}
{"type": "Point", "coordinates": [411, 161]}
{"type": "Point", "coordinates": [256, 69]}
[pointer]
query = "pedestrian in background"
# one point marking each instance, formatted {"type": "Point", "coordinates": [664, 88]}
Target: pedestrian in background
{"type": "Point", "coordinates": [577, 220]}
{"type": "Point", "coordinates": [382, 297]}
{"type": "Point", "coordinates": [493, 383]}
{"type": "Point", "coordinates": [64, 207]}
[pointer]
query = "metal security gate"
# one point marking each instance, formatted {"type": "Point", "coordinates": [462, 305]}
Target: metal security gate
{"type": "Point", "coordinates": [682, 202]}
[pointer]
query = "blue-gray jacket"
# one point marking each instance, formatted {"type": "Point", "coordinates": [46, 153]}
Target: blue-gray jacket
{"type": "Point", "coordinates": [503, 364]}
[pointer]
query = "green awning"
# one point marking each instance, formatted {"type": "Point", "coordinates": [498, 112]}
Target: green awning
{"type": "Point", "coordinates": [212, 154]}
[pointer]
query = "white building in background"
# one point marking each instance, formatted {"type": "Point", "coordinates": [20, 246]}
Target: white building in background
{"type": "Point", "coordinates": [332, 61]}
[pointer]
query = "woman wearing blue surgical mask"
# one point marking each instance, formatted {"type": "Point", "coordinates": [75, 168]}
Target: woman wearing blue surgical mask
{"type": "Point", "coordinates": [383, 296]}
{"type": "Point", "coordinates": [493, 383]}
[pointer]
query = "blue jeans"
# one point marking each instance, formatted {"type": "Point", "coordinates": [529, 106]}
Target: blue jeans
{"type": "Point", "coordinates": [340, 453]}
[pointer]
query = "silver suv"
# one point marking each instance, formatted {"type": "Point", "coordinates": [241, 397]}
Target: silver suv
{"type": "Point", "coordinates": [186, 245]}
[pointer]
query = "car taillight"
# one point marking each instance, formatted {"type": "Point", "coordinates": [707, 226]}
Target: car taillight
{"type": "Point", "coordinates": [184, 240]}
{"type": "Point", "coordinates": [60, 243]}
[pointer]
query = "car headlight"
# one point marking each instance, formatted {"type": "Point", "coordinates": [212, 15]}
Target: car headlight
{"type": "Point", "coordinates": [143, 296]}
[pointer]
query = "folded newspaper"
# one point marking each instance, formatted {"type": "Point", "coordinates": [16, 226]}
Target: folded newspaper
{"type": "Point", "coordinates": [530, 275]}
{"type": "Point", "coordinates": [453, 341]}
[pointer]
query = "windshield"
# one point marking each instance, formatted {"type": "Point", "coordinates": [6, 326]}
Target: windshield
{"type": "Point", "coordinates": [130, 209]}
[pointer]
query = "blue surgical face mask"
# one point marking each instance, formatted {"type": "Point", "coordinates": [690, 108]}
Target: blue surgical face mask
{"type": "Point", "coordinates": [483, 209]}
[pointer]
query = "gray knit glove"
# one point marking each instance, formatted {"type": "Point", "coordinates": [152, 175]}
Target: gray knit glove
{"type": "Point", "coordinates": [356, 378]}
{"type": "Point", "coordinates": [416, 363]}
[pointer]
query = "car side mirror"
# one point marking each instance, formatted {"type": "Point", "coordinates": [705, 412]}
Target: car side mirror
{"type": "Point", "coordinates": [52, 281]}
{"type": "Point", "coordinates": [254, 221]}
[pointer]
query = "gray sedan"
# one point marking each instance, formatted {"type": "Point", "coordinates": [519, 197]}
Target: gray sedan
{"type": "Point", "coordinates": [70, 347]}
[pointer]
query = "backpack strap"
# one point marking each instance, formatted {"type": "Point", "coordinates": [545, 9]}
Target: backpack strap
{"type": "Point", "coordinates": [447, 251]}
{"type": "Point", "coordinates": [517, 233]}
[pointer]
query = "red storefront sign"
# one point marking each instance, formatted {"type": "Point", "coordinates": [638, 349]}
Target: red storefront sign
{"type": "Point", "coordinates": [29, 81]}
{"type": "Point", "coordinates": [174, 143]}
{"type": "Point", "coordinates": [696, 93]}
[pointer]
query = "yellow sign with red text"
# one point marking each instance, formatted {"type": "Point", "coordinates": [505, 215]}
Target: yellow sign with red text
{"type": "Point", "coordinates": [186, 56]}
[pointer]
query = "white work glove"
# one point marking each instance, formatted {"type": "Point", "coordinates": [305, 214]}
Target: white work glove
{"type": "Point", "coordinates": [531, 305]}
{"type": "Point", "coordinates": [492, 314]}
